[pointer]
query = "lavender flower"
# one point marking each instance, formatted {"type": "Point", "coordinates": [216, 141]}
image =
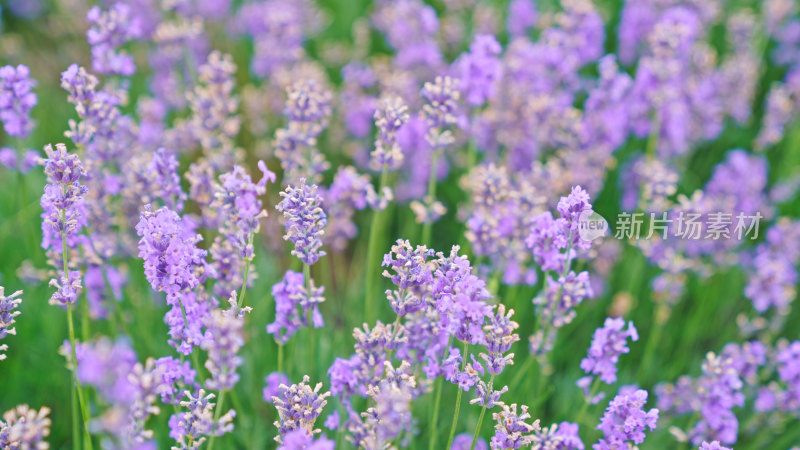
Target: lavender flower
{"type": "Point", "coordinates": [167, 180]}
{"type": "Point", "coordinates": [512, 431]}
{"type": "Point", "coordinates": [25, 428]}
{"type": "Point", "coordinates": [8, 304]}
{"type": "Point", "coordinates": [626, 420]}
{"type": "Point", "coordinates": [305, 221]}
{"type": "Point", "coordinates": [16, 100]}
{"type": "Point", "coordinates": [391, 414]}
{"type": "Point", "coordinates": [174, 375]}
{"type": "Point", "coordinates": [169, 251]}
{"type": "Point", "coordinates": [301, 439]}
{"type": "Point", "coordinates": [441, 108]}
{"type": "Point", "coordinates": [63, 199]}
{"type": "Point", "coordinates": [298, 407]}
{"type": "Point", "coordinates": [559, 436]}
{"type": "Point", "coordinates": [109, 31]}
{"type": "Point", "coordinates": [291, 293]}
{"type": "Point", "coordinates": [608, 343]}
{"type": "Point", "coordinates": [222, 340]}
{"type": "Point", "coordinates": [307, 111]}
{"type": "Point", "coordinates": [412, 276]}
{"type": "Point", "coordinates": [239, 207]}
{"type": "Point", "coordinates": [480, 69]}
{"type": "Point", "coordinates": [273, 382]}
{"type": "Point", "coordinates": [190, 428]}
{"type": "Point", "coordinates": [561, 297]}
{"type": "Point", "coordinates": [391, 115]}
{"type": "Point", "coordinates": [173, 264]}
{"type": "Point", "coordinates": [214, 122]}
{"type": "Point", "coordinates": [500, 336]}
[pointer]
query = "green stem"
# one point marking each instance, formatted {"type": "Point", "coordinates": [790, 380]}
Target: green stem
{"type": "Point", "coordinates": [247, 262]}
{"type": "Point", "coordinates": [650, 346]}
{"type": "Point", "coordinates": [427, 228]}
{"type": "Point", "coordinates": [458, 400]}
{"type": "Point", "coordinates": [280, 357]}
{"type": "Point", "coordinates": [71, 330]}
{"type": "Point", "coordinates": [592, 393]}
{"type": "Point", "coordinates": [436, 403]}
{"type": "Point", "coordinates": [480, 418]}
{"type": "Point", "coordinates": [372, 261]}
{"type": "Point", "coordinates": [217, 412]}
{"type": "Point", "coordinates": [652, 140]}
{"type": "Point", "coordinates": [312, 358]}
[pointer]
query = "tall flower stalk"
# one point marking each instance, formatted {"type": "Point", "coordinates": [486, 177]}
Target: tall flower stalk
{"type": "Point", "coordinates": [62, 220]}
{"type": "Point", "coordinates": [386, 157]}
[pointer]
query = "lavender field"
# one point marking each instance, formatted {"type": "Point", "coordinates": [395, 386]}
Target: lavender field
{"type": "Point", "coordinates": [423, 224]}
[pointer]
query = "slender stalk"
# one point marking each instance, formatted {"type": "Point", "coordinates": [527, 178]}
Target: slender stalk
{"type": "Point", "coordinates": [312, 359]}
{"type": "Point", "coordinates": [71, 330]}
{"type": "Point", "coordinates": [427, 228]}
{"type": "Point", "coordinates": [592, 393]}
{"type": "Point", "coordinates": [372, 261]}
{"type": "Point", "coordinates": [480, 418]}
{"type": "Point", "coordinates": [458, 400]}
{"type": "Point", "coordinates": [280, 357]}
{"type": "Point", "coordinates": [242, 294]}
{"type": "Point", "coordinates": [217, 412]}
{"type": "Point", "coordinates": [436, 403]}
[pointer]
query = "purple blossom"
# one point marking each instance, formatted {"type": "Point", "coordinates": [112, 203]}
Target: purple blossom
{"type": "Point", "coordinates": [175, 375]}
{"type": "Point", "coordinates": [167, 180]}
{"type": "Point", "coordinates": [8, 305]}
{"type": "Point", "coordinates": [441, 109]}
{"type": "Point", "coordinates": [308, 110]}
{"type": "Point", "coordinates": [16, 100]}
{"type": "Point", "coordinates": [511, 429]}
{"type": "Point", "coordinates": [626, 420]}
{"type": "Point", "coordinates": [295, 306]}
{"type": "Point", "coordinates": [411, 274]}
{"type": "Point", "coordinates": [23, 427]}
{"type": "Point", "coordinates": [222, 341]}
{"type": "Point", "coordinates": [67, 289]}
{"type": "Point", "coordinates": [521, 17]}
{"type": "Point", "coordinates": [273, 382]}
{"type": "Point", "coordinates": [299, 406]}
{"type": "Point", "coordinates": [109, 31]}
{"type": "Point", "coordinates": [198, 422]}
{"type": "Point", "coordinates": [305, 221]}
{"type": "Point", "coordinates": [480, 69]}
{"type": "Point", "coordinates": [169, 250]}
{"type": "Point", "coordinates": [559, 436]}
{"type": "Point", "coordinates": [500, 335]}
{"type": "Point", "coordinates": [63, 199]}
{"type": "Point", "coordinates": [301, 439]}
{"type": "Point", "coordinates": [558, 302]}
{"type": "Point", "coordinates": [390, 116]}
{"type": "Point", "coordinates": [608, 343]}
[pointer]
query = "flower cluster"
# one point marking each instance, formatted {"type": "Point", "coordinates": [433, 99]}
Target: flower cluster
{"type": "Point", "coordinates": [608, 343]}
{"type": "Point", "coordinates": [289, 294]}
{"type": "Point", "coordinates": [8, 306]}
{"type": "Point", "coordinates": [23, 427]}
{"type": "Point", "coordinates": [110, 30]}
{"type": "Point", "coordinates": [298, 407]}
{"type": "Point", "coordinates": [305, 221]}
{"type": "Point", "coordinates": [626, 420]}
{"type": "Point", "coordinates": [16, 100]}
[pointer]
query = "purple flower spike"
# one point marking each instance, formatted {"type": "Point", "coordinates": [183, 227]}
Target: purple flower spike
{"type": "Point", "coordinates": [8, 305]}
{"type": "Point", "coordinates": [626, 420]}
{"type": "Point", "coordinates": [16, 100]}
{"type": "Point", "coordinates": [305, 221]}
{"type": "Point", "coordinates": [608, 343]}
